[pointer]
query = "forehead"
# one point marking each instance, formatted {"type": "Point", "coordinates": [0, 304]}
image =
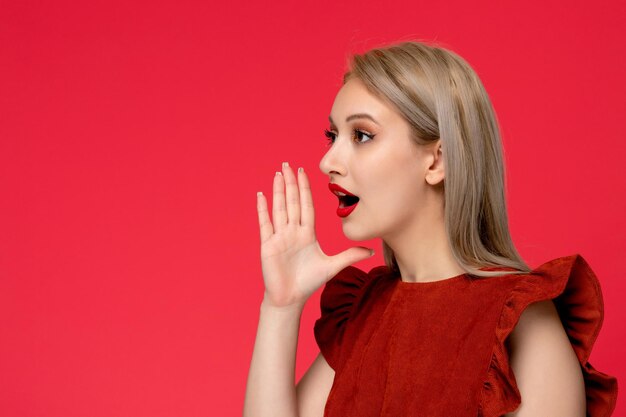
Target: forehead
{"type": "Point", "coordinates": [353, 97]}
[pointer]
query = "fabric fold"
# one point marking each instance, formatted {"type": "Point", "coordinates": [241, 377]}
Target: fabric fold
{"type": "Point", "coordinates": [337, 300]}
{"type": "Point", "coordinates": [575, 290]}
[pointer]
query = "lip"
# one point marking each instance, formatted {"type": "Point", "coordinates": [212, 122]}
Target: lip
{"type": "Point", "coordinates": [342, 211]}
{"type": "Point", "coordinates": [334, 188]}
{"type": "Point", "coordinates": [345, 211]}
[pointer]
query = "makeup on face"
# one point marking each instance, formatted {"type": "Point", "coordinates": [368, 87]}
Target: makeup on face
{"type": "Point", "coordinates": [347, 200]}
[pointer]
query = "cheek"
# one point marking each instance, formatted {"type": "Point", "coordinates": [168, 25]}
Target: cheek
{"type": "Point", "coordinates": [398, 196]}
{"type": "Point", "coordinates": [395, 173]}
{"type": "Point", "coordinates": [390, 195]}
{"type": "Point", "coordinates": [390, 180]}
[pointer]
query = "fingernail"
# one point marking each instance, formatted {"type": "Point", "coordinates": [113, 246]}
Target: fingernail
{"type": "Point", "coordinates": [300, 169]}
{"type": "Point", "coordinates": [279, 173]}
{"type": "Point", "coordinates": [285, 164]}
{"type": "Point", "coordinates": [259, 193]}
{"type": "Point", "coordinates": [372, 252]}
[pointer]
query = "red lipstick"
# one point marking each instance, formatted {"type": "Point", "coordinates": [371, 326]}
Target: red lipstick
{"type": "Point", "coordinates": [347, 200]}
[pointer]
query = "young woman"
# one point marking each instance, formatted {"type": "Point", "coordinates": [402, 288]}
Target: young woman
{"type": "Point", "coordinates": [455, 323]}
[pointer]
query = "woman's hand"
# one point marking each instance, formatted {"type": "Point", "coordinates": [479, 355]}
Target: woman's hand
{"type": "Point", "coordinates": [293, 264]}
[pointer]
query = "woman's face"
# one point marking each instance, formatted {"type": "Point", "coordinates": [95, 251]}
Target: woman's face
{"type": "Point", "coordinates": [377, 161]}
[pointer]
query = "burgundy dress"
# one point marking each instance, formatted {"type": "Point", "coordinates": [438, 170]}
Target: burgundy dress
{"type": "Point", "coordinates": [440, 348]}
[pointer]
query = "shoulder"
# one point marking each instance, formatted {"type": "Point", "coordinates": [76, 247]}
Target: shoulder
{"type": "Point", "coordinates": [340, 299]}
{"type": "Point", "coordinates": [546, 368]}
{"type": "Point", "coordinates": [344, 290]}
{"type": "Point", "coordinates": [549, 322]}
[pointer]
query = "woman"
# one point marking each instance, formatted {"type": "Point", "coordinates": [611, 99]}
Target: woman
{"type": "Point", "coordinates": [455, 323]}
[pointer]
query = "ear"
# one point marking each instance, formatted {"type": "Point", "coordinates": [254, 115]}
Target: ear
{"type": "Point", "coordinates": [435, 173]}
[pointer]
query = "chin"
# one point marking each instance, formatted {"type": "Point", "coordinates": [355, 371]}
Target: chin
{"type": "Point", "coordinates": [356, 233]}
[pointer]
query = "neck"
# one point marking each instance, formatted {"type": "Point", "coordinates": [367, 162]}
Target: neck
{"type": "Point", "coordinates": [422, 250]}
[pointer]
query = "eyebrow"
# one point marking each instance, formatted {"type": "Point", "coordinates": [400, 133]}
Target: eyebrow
{"type": "Point", "coordinates": [356, 116]}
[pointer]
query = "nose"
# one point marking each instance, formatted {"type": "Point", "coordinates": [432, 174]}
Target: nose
{"type": "Point", "coordinates": [333, 161]}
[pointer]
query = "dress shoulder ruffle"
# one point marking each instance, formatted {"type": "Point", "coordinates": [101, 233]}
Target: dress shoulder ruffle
{"type": "Point", "coordinates": [575, 290]}
{"type": "Point", "coordinates": [337, 301]}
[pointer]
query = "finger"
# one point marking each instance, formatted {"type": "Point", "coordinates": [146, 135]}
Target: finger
{"type": "Point", "coordinates": [265, 225]}
{"type": "Point", "coordinates": [307, 217]}
{"type": "Point", "coordinates": [279, 215]}
{"type": "Point", "coordinates": [293, 196]}
{"type": "Point", "coordinates": [350, 256]}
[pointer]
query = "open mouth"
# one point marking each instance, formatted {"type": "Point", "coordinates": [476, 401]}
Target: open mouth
{"type": "Point", "coordinates": [347, 200]}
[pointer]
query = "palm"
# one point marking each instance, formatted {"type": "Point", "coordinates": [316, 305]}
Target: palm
{"type": "Point", "coordinates": [293, 263]}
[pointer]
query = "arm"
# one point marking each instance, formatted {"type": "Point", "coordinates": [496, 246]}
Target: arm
{"type": "Point", "coordinates": [270, 390]}
{"type": "Point", "coordinates": [545, 365]}
{"type": "Point", "coordinates": [314, 387]}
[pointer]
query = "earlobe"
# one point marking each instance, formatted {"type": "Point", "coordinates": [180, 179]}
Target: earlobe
{"type": "Point", "coordinates": [435, 178]}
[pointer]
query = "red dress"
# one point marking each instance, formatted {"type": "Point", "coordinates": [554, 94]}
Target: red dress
{"type": "Point", "coordinates": [439, 348]}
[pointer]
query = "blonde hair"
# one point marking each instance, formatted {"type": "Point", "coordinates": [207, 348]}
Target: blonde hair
{"type": "Point", "coordinates": [441, 97]}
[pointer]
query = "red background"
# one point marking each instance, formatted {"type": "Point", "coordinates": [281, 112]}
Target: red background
{"type": "Point", "coordinates": [134, 136]}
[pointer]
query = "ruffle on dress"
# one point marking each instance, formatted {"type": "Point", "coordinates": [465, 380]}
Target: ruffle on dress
{"type": "Point", "coordinates": [337, 300]}
{"type": "Point", "coordinates": [575, 291]}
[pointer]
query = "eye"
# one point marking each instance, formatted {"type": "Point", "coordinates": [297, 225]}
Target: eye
{"type": "Point", "coordinates": [357, 135]}
{"type": "Point", "coordinates": [330, 135]}
{"type": "Point", "coordinates": [358, 132]}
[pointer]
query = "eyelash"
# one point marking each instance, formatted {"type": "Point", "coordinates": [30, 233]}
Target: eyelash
{"type": "Point", "coordinates": [331, 136]}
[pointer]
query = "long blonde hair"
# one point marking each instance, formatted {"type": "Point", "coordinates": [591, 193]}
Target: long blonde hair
{"type": "Point", "coordinates": [441, 97]}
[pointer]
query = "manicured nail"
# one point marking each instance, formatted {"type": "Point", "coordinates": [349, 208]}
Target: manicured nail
{"type": "Point", "coordinates": [259, 193]}
{"type": "Point", "coordinates": [300, 170]}
{"type": "Point", "coordinates": [279, 173]}
{"type": "Point", "coordinates": [285, 164]}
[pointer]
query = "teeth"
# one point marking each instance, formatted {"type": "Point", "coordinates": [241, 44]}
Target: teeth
{"type": "Point", "coordinates": [340, 194]}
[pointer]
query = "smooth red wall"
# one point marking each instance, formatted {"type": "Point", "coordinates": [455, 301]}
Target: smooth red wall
{"type": "Point", "coordinates": [135, 135]}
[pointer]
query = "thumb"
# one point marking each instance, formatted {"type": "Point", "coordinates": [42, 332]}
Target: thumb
{"type": "Point", "coordinates": [350, 256]}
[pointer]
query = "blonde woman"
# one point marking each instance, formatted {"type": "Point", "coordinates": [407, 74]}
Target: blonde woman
{"type": "Point", "coordinates": [455, 323]}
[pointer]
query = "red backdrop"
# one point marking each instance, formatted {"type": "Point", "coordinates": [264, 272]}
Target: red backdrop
{"type": "Point", "coordinates": [134, 136]}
